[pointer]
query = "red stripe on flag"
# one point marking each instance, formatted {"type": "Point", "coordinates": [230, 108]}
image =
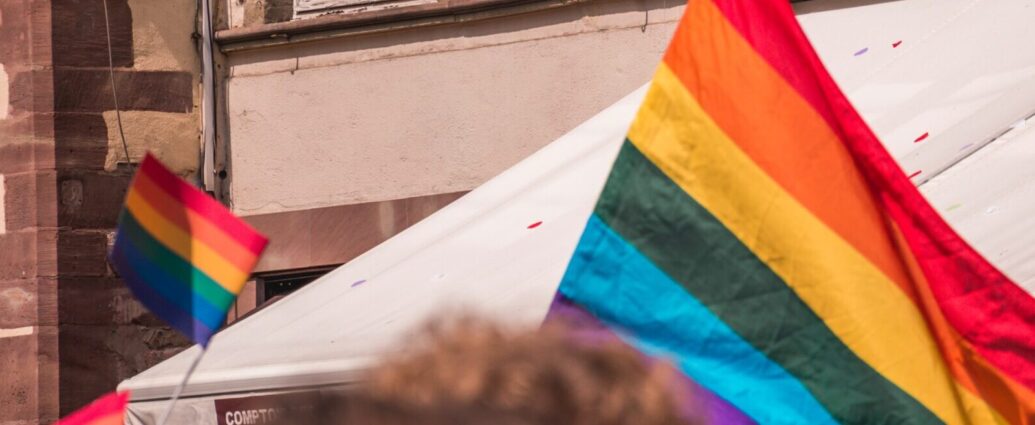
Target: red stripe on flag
{"type": "Point", "coordinates": [979, 301]}
{"type": "Point", "coordinates": [201, 203]}
{"type": "Point", "coordinates": [107, 410]}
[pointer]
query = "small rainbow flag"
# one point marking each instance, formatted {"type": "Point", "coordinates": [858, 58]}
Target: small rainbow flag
{"type": "Point", "coordinates": [754, 230]}
{"type": "Point", "coordinates": [182, 253]}
{"type": "Point", "coordinates": [107, 410]}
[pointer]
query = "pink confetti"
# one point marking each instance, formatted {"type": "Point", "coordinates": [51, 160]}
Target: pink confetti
{"type": "Point", "coordinates": [861, 52]}
{"type": "Point", "coordinates": [917, 173]}
{"type": "Point", "coordinates": [534, 225]}
{"type": "Point", "coordinates": [921, 138]}
{"type": "Point", "coordinates": [358, 282]}
{"type": "Point", "coordinates": [895, 44]}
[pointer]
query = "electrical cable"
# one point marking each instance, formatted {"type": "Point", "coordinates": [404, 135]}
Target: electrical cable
{"type": "Point", "coordinates": [114, 89]}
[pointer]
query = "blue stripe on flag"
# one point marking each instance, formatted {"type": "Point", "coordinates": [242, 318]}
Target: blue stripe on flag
{"type": "Point", "coordinates": [170, 300]}
{"type": "Point", "coordinates": [615, 282]}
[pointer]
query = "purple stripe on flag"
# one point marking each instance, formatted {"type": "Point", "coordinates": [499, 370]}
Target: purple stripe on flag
{"type": "Point", "coordinates": [705, 404]}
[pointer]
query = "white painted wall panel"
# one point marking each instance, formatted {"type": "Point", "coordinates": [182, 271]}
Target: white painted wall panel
{"type": "Point", "coordinates": [426, 111]}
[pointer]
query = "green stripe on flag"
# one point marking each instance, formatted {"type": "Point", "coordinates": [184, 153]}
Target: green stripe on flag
{"type": "Point", "coordinates": [173, 264]}
{"type": "Point", "coordinates": [689, 244]}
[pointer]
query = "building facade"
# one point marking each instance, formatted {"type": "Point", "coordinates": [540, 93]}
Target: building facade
{"type": "Point", "coordinates": [339, 123]}
{"type": "Point", "coordinates": [348, 121]}
{"type": "Point", "coordinates": [69, 330]}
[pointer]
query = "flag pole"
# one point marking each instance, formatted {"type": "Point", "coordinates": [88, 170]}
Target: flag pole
{"type": "Point", "coordinates": [179, 388]}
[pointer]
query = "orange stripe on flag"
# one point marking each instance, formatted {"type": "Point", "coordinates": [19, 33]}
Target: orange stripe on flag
{"type": "Point", "coordinates": [968, 289]}
{"type": "Point", "coordinates": [750, 101]}
{"type": "Point", "coordinates": [194, 224]}
{"type": "Point", "coordinates": [192, 250]}
{"type": "Point", "coordinates": [1013, 401]}
{"type": "Point", "coordinates": [193, 198]}
{"type": "Point", "coordinates": [112, 419]}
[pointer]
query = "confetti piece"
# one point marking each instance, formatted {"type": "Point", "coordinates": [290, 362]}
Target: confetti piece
{"type": "Point", "coordinates": [895, 44]}
{"type": "Point", "coordinates": [921, 138]}
{"type": "Point", "coordinates": [358, 282]}
{"type": "Point", "coordinates": [861, 52]}
{"type": "Point", "coordinates": [534, 225]}
{"type": "Point", "coordinates": [952, 207]}
{"type": "Point", "coordinates": [917, 173]}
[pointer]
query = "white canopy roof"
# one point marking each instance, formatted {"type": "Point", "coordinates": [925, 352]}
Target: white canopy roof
{"type": "Point", "coordinates": [477, 254]}
{"type": "Point", "coordinates": [964, 74]}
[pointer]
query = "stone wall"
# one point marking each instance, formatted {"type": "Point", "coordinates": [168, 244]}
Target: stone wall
{"type": "Point", "coordinates": [69, 330]}
{"type": "Point", "coordinates": [28, 235]}
{"type": "Point", "coordinates": [248, 13]}
{"type": "Point", "coordinates": [104, 336]}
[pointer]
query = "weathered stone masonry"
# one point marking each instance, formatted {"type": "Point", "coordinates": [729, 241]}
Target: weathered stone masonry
{"type": "Point", "coordinates": [69, 330]}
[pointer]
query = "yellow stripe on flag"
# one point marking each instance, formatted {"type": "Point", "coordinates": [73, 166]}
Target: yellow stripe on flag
{"type": "Point", "coordinates": [859, 303]}
{"type": "Point", "coordinates": [192, 250]}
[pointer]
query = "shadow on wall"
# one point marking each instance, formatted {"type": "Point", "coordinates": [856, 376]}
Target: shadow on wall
{"type": "Point", "coordinates": [812, 6]}
{"type": "Point", "coordinates": [459, 33]}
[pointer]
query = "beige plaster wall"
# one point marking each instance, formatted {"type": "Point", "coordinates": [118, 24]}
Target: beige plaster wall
{"type": "Point", "coordinates": [172, 137]}
{"type": "Point", "coordinates": [161, 42]}
{"type": "Point", "coordinates": [431, 110]}
{"type": "Point", "coordinates": [162, 35]}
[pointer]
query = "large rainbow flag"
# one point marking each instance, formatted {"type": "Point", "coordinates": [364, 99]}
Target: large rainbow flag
{"type": "Point", "coordinates": [755, 230]}
{"type": "Point", "coordinates": [182, 253]}
{"type": "Point", "coordinates": [107, 410]}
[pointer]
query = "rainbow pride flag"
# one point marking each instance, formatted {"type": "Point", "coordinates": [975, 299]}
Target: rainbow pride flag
{"type": "Point", "coordinates": [183, 254]}
{"type": "Point", "coordinates": [107, 410]}
{"type": "Point", "coordinates": [754, 230]}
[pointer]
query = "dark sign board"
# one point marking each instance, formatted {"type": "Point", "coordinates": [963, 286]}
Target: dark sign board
{"type": "Point", "coordinates": [259, 410]}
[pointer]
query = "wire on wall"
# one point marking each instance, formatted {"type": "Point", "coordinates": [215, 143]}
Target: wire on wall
{"type": "Point", "coordinates": [114, 89]}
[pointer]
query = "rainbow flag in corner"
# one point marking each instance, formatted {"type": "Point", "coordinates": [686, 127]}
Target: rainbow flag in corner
{"type": "Point", "coordinates": [182, 253]}
{"type": "Point", "coordinates": [107, 410]}
{"type": "Point", "coordinates": [755, 230]}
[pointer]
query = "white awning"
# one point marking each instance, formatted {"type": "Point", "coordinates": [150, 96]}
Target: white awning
{"type": "Point", "coordinates": [963, 74]}
{"type": "Point", "coordinates": [499, 251]}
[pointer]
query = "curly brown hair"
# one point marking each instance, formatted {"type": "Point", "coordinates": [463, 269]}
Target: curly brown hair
{"type": "Point", "coordinates": [542, 376]}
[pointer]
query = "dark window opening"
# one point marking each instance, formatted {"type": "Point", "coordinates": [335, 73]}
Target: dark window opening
{"type": "Point", "coordinates": [275, 285]}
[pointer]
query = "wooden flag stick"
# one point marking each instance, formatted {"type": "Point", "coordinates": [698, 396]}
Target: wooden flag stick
{"type": "Point", "coordinates": [179, 388]}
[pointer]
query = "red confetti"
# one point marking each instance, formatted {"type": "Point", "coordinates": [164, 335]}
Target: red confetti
{"type": "Point", "coordinates": [534, 225]}
{"type": "Point", "coordinates": [921, 138]}
{"type": "Point", "coordinates": [895, 44]}
{"type": "Point", "coordinates": [917, 173]}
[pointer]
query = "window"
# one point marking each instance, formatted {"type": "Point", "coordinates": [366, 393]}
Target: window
{"type": "Point", "coordinates": [275, 285]}
{"type": "Point", "coordinates": [309, 7]}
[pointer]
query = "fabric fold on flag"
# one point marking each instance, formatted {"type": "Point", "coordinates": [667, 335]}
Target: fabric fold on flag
{"type": "Point", "coordinates": [182, 253]}
{"type": "Point", "coordinates": [754, 230]}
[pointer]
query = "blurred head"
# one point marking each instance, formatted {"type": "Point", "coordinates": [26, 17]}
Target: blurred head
{"type": "Point", "coordinates": [470, 372]}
